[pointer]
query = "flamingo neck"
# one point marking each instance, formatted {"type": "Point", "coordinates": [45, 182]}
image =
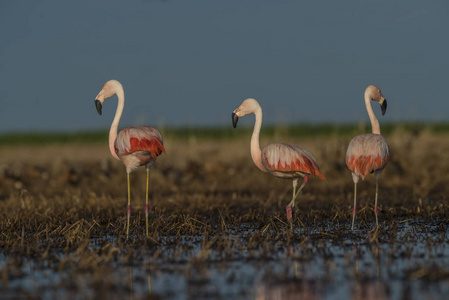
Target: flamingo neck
{"type": "Point", "coordinates": [116, 121]}
{"type": "Point", "coordinates": [372, 117]}
{"type": "Point", "coordinates": [256, 153]}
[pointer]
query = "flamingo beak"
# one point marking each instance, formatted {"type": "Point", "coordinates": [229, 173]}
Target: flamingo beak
{"type": "Point", "coordinates": [98, 106]}
{"type": "Point", "coordinates": [235, 119]}
{"type": "Point", "coordinates": [383, 106]}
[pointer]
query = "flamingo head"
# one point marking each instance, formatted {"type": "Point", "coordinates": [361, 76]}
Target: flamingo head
{"type": "Point", "coordinates": [109, 89]}
{"type": "Point", "coordinates": [374, 93]}
{"type": "Point", "coordinates": [248, 106]}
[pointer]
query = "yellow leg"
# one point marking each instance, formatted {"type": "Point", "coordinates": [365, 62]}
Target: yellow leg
{"type": "Point", "coordinates": [375, 201]}
{"type": "Point", "coordinates": [129, 207]}
{"type": "Point", "coordinates": [291, 205]}
{"type": "Point", "coordinates": [355, 203]}
{"type": "Point", "coordinates": [296, 194]}
{"type": "Point", "coordinates": [146, 203]}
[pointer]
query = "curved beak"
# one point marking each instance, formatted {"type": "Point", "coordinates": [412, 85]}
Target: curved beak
{"type": "Point", "coordinates": [98, 106]}
{"type": "Point", "coordinates": [235, 119]}
{"type": "Point", "coordinates": [383, 106]}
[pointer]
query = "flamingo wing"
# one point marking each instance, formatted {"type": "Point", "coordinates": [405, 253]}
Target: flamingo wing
{"type": "Point", "coordinates": [290, 158]}
{"type": "Point", "coordinates": [367, 153]}
{"type": "Point", "coordinates": [139, 139]}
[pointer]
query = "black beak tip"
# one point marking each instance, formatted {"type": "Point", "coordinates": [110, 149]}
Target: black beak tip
{"type": "Point", "coordinates": [235, 119]}
{"type": "Point", "coordinates": [384, 107]}
{"type": "Point", "coordinates": [98, 106]}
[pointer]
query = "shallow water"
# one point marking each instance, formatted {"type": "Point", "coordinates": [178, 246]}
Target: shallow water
{"type": "Point", "coordinates": [414, 264]}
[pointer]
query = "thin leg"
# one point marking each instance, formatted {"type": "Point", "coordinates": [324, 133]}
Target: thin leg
{"type": "Point", "coordinates": [146, 203]}
{"type": "Point", "coordinates": [355, 203]}
{"type": "Point", "coordinates": [295, 184]}
{"type": "Point", "coordinates": [291, 206]}
{"type": "Point", "coordinates": [129, 207]}
{"type": "Point", "coordinates": [295, 195]}
{"type": "Point", "coordinates": [375, 201]}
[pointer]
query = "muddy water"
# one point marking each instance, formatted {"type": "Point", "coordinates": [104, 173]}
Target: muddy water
{"type": "Point", "coordinates": [414, 264]}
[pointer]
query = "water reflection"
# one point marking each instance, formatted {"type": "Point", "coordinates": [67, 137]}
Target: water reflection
{"type": "Point", "coordinates": [131, 283]}
{"type": "Point", "coordinates": [367, 285]}
{"type": "Point", "coordinates": [298, 285]}
{"type": "Point", "coordinates": [286, 291]}
{"type": "Point", "coordinates": [369, 291]}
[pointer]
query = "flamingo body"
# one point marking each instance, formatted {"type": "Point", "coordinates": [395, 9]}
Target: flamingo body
{"type": "Point", "coordinates": [138, 146]}
{"type": "Point", "coordinates": [286, 160]}
{"type": "Point", "coordinates": [367, 153]}
{"type": "Point", "coordinates": [279, 159]}
{"type": "Point", "coordinates": [134, 146]}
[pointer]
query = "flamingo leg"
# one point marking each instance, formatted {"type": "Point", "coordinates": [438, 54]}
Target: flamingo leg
{"type": "Point", "coordinates": [291, 205]}
{"type": "Point", "coordinates": [375, 201]}
{"type": "Point", "coordinates": [146, 200]}
{"type": "Point", "coordinates": [355, 203]}
{"type": "Point", "coordinates": [295, 195]}
{"type": "Point", "coordinates": [129, 207]}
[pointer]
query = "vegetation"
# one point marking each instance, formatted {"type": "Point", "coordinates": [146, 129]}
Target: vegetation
{"type": "Point", "coordinates": [217, 133]}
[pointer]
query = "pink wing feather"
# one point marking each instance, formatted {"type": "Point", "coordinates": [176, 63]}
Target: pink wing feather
{"type": "Point", "coordinates": [290, 158]}
{"type": "Point", "coordinates": [367, 153]}
{"type": "Point", "coordinates": [142, 138]}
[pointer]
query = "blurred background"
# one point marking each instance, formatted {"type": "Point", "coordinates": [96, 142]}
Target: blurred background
{"type": "Point", "coordinates": [190, 63]}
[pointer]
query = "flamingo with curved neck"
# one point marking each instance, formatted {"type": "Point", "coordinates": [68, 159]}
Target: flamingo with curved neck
{"type": "Point", "coordinates": [280, 159]}
{"type": "Point", "coordinates": [368, 153]}
{"type": "Point", "coordinates": [134, 146]}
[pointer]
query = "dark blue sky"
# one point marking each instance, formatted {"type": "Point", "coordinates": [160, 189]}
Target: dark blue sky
{"type": "Point", "coordinates": [189, 62]}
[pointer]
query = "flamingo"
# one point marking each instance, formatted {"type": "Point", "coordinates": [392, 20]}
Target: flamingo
{"type": "Point", "coordinates": [282, 160]}
{"type": "Point", "coordinates": [134, 146]}
{"type": "Point", "coordinates": [368, 153]}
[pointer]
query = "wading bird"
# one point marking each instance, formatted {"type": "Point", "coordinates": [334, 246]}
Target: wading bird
{"type": "Point", "coordinates": [280, 159]}
{"type": "Point", "coordinates": [134, 146]}
{"type": "Point", "coordinates": [368, 153]}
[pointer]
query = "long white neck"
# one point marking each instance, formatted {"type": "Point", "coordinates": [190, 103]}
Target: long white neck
{"type": "Point", "coordinates": [116, 121]}
{"type": "Point", "coordinates": [372, 117]}
{"type": "Point", "coordinates": [256, 153]}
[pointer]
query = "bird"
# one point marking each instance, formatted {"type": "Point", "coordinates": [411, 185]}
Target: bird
{"type": "Point", "coordinates": [133, 146]}
{"type": "Point", "coordinates": [368, 153]}
{"type": "Point", "coordinates": [282, 160]}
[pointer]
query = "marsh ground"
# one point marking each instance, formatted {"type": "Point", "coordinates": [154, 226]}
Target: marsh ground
{"type": "Point", "coordinates": [218, 227]}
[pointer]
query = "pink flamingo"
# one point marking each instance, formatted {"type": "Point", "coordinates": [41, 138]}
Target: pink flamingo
{"type": "Point", "coordinates": [134, 146]}
{"type": "Point", "coordinates": [368, 153]}
{"type": "Point", "coordinates": [280, 159]}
